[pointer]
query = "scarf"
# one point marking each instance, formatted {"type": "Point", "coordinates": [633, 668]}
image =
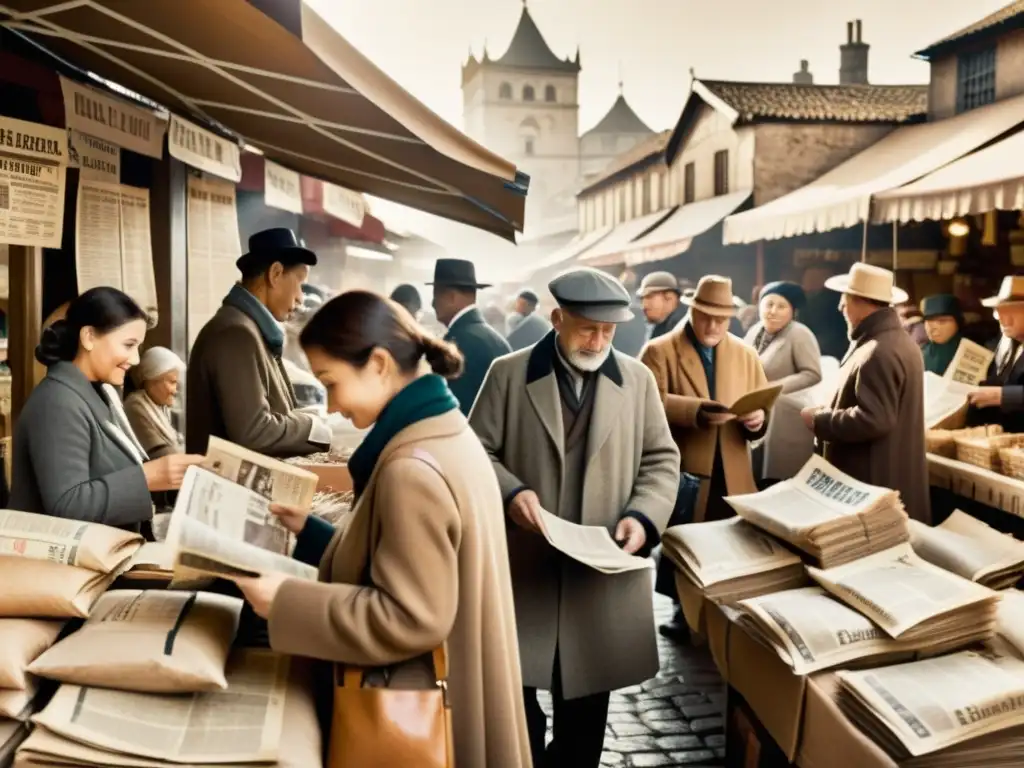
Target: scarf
{"type": "Point", "coordinates": [707, 358]}
{"type": "Point", "coordinates": [763, 340]}
{"type": "Point", "coordinates": [937, 357]}
{"type": "Point", "coordinates": [239, 298]}
{"type": "Point", "coordinates": [119, 428]}
{"type": "Point", "coordinates": [423, 398]}
{"type": "Point", "coordinates": [159, 416]}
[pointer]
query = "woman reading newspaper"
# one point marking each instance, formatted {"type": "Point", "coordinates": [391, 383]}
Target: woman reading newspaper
{"type": "Point", "coordinates": [75, 454]}
{"type": "Point", "coordinates": [423, 561]}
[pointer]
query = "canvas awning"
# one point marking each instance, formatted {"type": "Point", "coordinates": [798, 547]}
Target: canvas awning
{"type": "Point", "coordinates": [572, 249]}
{"type": "Point", "coordinates": [990, 179]}
{"type": "Point", "coordinates": [675, 234]}
{"type": "Point", "coordinates": [297, 90]}
{"type": "Point", "coordinates": [610, 250]}
{"type": "Point", "coordinates": [842, 197]}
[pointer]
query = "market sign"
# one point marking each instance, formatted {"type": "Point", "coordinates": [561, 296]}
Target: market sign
{"type": "Point", "coordinates": [97, 159]}
{"type": "Point", "coordinates": [344, 204]}
{"type": "Point", "coordinates": [33, 163]}
{"type": "Point", "coordinates": [114, 120]}
{"type": "Point", "coordinates": [282, 188]}
{"type": "Point", "coordinates": [205, 150]}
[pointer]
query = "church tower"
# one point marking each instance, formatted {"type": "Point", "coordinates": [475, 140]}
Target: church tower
{"type": "Point", "coordinates": [524, 106]}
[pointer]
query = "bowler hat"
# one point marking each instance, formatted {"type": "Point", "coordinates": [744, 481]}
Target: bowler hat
{"type": "Point", "coordinates": [713, 296]}
{"type": "Point", "coordinates": [868, 282]}
{"type": "Point", "coordinates": [277, 244]}
{"type": "Point", "coordinates": [657, 282]}
{"type": "Point", "coordinates": [456, 273]}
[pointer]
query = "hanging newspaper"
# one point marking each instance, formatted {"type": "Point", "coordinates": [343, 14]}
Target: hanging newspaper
{"type": "Point", "coordinates": [33, 163]}
{"type": "Point", "coordinates": [282, 188]}
{"type": "Point", "coordinates": [96, 159]}
{"type": "Point", "coordinates": [213, 247]}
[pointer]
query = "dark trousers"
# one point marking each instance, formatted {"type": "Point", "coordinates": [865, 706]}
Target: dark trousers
{"type": "Point", "coordinates": [578, 727]}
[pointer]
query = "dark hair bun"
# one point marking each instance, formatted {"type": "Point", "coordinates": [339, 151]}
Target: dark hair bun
{"type": "Point", "coordinates": [56, 343]}
{"type": "Point", "coordinates": [443, 357]}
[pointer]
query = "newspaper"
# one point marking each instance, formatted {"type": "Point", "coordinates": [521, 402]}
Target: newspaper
{"type": "Point", "coordinates": [213, 247]}
{"type": "Point", "coordinates": [945, 402]}
{"type": "Point", "coordinates": [219, 528]}
{"type": "Point", "coordinates": [92, 546]}
{"type": "Point", "coordinates": [1010, 620]}
{"type": "Point", "coordinates": [970, 364]}
{"type": "Point", "coordinates": [760, 399]}
{"type": "Point", "coordinates": [33, 166]}
{"type": "Point", "coordinates": [591, 545]}
{"type": "Point", "coordinates": [272, 479]}
{"type": "Point", "coordinates": [241, 724]}
{"type": "Point", "coordinates": [971, 549]}
{"type": "Point", "coordinates": [907, 596]}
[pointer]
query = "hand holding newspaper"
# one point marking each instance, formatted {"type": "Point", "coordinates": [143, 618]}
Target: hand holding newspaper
{"type": "Point", "coordinates": [759, 400]}
{"type": "Point", "coordinates": [274, 480]}
{"type": "Point", "coordinates": [591, 545]}
{"type": "Point", "coordinates": [970, 364]}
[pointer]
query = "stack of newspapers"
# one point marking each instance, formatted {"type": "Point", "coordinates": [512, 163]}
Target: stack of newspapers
{"type": "Point", "coordinates": [969, 548]}
{"type": "Point", "coordinates": [826, 514]}
{"type": "Point", "coordinates": [730, 560]}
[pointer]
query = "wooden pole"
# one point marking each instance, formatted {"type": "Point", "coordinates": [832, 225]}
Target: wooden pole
{"type": "Point", "coordinates": [24, 323]}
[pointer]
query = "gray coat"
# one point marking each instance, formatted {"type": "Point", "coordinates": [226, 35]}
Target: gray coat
{"type": "Point", "coordinates": [70, 460]}
{"type": "Point", "coordinates": [532, 329]}
{"type": "Point", "coordinates": [603, 625]}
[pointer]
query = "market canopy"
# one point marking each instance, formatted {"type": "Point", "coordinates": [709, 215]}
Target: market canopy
{"type": "Point", "coordinates": [842, 197]}
{"type": "Point", "coordinates": [568, 252]}
{"type": "Point", "coordinates": [611, 249]}
{"type": "Point", "coordinates": [297, 90]}
{"type": "Point", "coordinates": [991, 179]}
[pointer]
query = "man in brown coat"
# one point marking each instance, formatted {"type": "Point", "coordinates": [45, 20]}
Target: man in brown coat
{"type": "Point", "coordinates": [237, 388]}
{"type": "Point", "coordinates": [874, 428]}
{"type": "Point", "coordinates": [576, 428]}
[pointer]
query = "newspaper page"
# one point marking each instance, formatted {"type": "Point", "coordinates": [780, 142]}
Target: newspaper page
{"type": "Point", "coordinates": [96, 159]}
{"type": "Point", "coordinates": [93, 546]}
{"type": "Point", "coordinates": [898, 590]}
{"type": "Point", "coordinates": [33, 165]}
{"type": "Point", "coordinates": [813, 631]}
{"type": "Point", "coordinates": [935, 703]}
{"type": "Point", "coordinates": [970, 364]}
{"type": "Point", "coordinates": [760, 399]}
{"type": "Point", "coordinates": [591, 545]}
{"type": "Point", "coordinates": [274, 480]}
{"type": "Point", "coordinates": [224, 529]}
{"type": "Point", "coordinates": [944, 401]}
{"type": "Point", "coordinates": [213, 248]}
{"type": "Point", "coordinates": [1010, 620]}
{"type": "Point", "coordinates": [241, 724]}
{"type": "Point", "coordinates": [966, 546]}
{"type": "Point", "coordinates": [282, 187]}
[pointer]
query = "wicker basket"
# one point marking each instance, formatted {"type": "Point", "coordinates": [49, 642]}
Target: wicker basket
{"type": "Point", "coordinates": [942, 442]}
{"type": "Point", "coordinates": [1011, 462]}
{"type": "Point", "coordinates": [984, 451]}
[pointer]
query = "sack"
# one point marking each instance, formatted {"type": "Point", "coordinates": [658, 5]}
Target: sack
{"type": "Point", "coordinates": [18, 705]}
{"type": "Point", "coordinates": [37, 588]}
{"type": "Point", "coordinates": [22, 640]}
{"type": "Point", "coordinates": [151, 641]}
{"type": "Point", "coordinates": [380, 727]}
{"type": "Point", "coordinates": [94, 546]}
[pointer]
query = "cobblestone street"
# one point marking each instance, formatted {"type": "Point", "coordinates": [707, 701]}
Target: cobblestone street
{"type": "Point", "coordinates": [674, 719]}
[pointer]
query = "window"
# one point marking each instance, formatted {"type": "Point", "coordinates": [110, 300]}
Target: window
{"type": "Point", "coordinates": [505, 91]}
{"type": "Point", "coordinates": [529, 146]}
{"type": "Point", "coordinates": [689, 183]}
{"type": "Point", "coordinates": [722, 172]}
{"type": "Point", "coordinates": [528, 94]}
{"type": "Point", "coordinates": [976, 79]}
{"type": "Point", "coordinates": [550, 94]}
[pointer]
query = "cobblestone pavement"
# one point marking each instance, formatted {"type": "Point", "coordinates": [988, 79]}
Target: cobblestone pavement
{"type": "Point", "coordinates": [674, 719]}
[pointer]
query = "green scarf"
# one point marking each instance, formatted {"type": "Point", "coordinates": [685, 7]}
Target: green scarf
{"type": "Point", "coordinates": [423, 398]}
{"type": "Point", "coordinates": [937, 357]}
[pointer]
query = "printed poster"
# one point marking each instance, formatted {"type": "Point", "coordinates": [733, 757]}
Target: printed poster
{"type": "Point", "coordinates": [344, 204]}
{"type": "Point", "coordinates": [116, 121]}
{"type": "Point", "coordinates": [214, 246]}
{"type": "Point", "coordinates": [33, 163]}
{"type": "Point", "coordinates": [96, 159]}
{"type": "Point", "coordinates": [282, 188]}
{"type": "Point", "coordinates": [204, 150]}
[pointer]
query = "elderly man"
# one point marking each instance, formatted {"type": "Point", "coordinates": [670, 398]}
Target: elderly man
{"type": "Point", "coordinates": [237, 386]}
{"type": "Point", "coordinates": [1000, 398]}
{"type": "Point", "coordinates": [662, 303]}
{"type": "Point", "coordinates": [529, 327]}
{"type": "Point", "coordinates": [699, 366]}
{"type": "Point", "coordinates": [874, 428]}
{"type": "Point", "coordinates": [576, 428]}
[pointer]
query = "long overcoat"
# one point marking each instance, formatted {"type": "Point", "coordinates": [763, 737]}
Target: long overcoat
{"type": "Point", "coordinates": [602, 626]}
{"type": "Point", "coordinates": [480, 344]}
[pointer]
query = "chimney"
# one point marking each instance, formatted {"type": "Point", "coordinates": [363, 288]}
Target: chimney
{"type": "Point", "coordinates": [804, 76]}
{"type": "Point", "coordinates": [853, 56]}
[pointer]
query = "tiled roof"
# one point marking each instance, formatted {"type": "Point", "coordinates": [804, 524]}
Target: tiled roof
{"type": "Point", "coordinates": [620, 119]}
{"type": "Point", "coordinates": [644, 150]}
{"type": "Point", "coordinates": [1014, 12]}
{"type": "Point", "coordinates": [529, 50]}
{"type": "Point", "coordinates": [842, 103]}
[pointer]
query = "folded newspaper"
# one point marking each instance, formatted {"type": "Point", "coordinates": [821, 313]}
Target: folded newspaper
{"type": "Point", "coordinates": [910, 598]}
{"type": "Point", "coordinates": [92, 546]}
{"type": "Point", "coordinates": [591, 545]}
{"type": "Point", "coordinates": [274, 480]}
{"type": "Point", "coordinates": [730, 560]}
{"type": "Point", "coordinates": [827, 514]}
{"type": "Point", "coordinates": [969, 548]}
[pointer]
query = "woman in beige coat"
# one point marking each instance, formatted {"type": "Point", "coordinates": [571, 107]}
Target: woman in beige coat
{"type": "Point", "coordinates": [149, 407]}
{"type": "Point", "coordinates": [424, 559]}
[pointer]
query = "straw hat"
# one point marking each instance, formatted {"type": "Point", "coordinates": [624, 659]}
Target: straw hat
{"type": "Point", "coordinates": [1010, 292]}
{"type": "Point", "coordinates": [868, 282]}
{"type": "Point", "coordinates": [713, 296]}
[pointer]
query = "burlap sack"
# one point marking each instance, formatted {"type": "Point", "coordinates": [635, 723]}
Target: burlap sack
{"type": "Point", "coordinates": [17, 705]}
{"type": "Point", "coordinates": [97, 547]}
{"type": "Point", "coordinates": [40, 589]}
{"type": "Point", "coordinates": [21, 641]}
{"type": "Point", "coordinates": [152, 641]}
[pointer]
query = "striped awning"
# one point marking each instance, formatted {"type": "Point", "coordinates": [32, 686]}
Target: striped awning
{"type": "Point", "coordinates": [291, 86]}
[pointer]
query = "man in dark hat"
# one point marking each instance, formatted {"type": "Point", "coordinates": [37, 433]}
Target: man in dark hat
{"type": "Point", "coordinates": [528, 328]}
{"type": "Point", "coordinates": [237, 388]}
{"type": "Point", "coordinates": [577, 430]}
{"type": "Point", "coordinates": [661, 297]}
{"type": "Point", "coordinates": [455, 287]}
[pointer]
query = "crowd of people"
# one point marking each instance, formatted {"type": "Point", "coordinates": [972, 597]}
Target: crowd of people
{"type": "Point", "coordinates": [606, 412]}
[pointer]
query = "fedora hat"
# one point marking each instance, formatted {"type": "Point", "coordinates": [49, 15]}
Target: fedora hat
{"type": "Point", "coordinates": [277, 244]}
{"type": "Point", "coordinates": [713, 296]}
{"type": "Point", "coordinates": [1010, 292]}
{"type": "Point", "coordinates": [868, 282]}
{"type": "Point", "coordinates": [658, 282]}
{"type": "Point", "coordinates": [456, 273]}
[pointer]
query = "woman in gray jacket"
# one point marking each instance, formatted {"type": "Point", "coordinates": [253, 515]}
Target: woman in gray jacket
{"type": "Point", "coordinates": [75, 454]}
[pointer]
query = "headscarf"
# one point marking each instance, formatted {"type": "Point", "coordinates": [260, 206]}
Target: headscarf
{"type": "Point", "coordinates": [156, 361]}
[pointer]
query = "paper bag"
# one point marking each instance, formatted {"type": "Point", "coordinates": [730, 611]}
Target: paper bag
{"type": "Point", "coordinates": [21, 641]}
{"type": "Point", "coordinates": [17, 705]}
{"type": "Point", "coordinates": [93, 546]}
{"type": "Point", "coordinates": [40, 589]}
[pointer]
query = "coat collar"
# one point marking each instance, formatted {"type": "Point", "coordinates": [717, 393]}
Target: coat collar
{"type": "Point", "coordinates": [871, 327]}
{"type": "Point", "coordinates": [470, 316]}
{"type": "Point", "coordinates": [542, 362]}
{"type": "Point", "coordinates": [689, 358]}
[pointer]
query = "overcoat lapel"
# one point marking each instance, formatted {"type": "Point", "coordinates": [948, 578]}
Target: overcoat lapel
{"type": "Point", "coordinates": [609, 404]}
{"type": "Point", "coordinates": [544, 397]}
{"type": "Point", "coordinates": [692, 368]}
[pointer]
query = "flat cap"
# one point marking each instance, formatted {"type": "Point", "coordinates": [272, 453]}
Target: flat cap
{"type": "Point", "coordinates": [656, 282]}
{"type": "Point", "coordinates": [592, 294]}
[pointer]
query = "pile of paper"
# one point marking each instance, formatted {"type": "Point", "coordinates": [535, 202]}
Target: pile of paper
{"type": "Point", "coordinates": [729, 560]}
{"type": "Point", "coordinates": [912, 599]}
{"type": "Point", "coordinates": [827, 514]}
{"type": "Point", "coordinates": [969, 548]}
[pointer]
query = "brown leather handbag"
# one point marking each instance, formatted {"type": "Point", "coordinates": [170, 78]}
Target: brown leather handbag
{"type": "Point", "coordinates": [388, 727]}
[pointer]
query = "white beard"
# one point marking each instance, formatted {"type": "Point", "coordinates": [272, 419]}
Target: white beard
{"type": "Point", "coordinates": [588, 363]}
